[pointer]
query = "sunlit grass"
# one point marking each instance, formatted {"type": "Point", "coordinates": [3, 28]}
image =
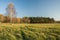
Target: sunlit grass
{"type": "Point", "coordinates": [48, 31]}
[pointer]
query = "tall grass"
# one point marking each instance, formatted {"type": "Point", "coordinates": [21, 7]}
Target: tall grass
{"type": "Point", "coordinates": [29, 33]}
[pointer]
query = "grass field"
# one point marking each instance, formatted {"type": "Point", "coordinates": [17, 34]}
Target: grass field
{"type": "Point", "coordinates": [29, 31]}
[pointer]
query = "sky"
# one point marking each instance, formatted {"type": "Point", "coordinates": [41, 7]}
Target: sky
{"type": "Point", "coordinates": [33, 8]}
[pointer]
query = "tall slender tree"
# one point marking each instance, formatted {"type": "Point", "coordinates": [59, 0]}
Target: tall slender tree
{"type": "Point", "coordinates": [11, 12]}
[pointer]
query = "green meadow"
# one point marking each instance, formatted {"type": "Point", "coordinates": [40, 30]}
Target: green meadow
{"type": "Point", "coordinates": [48, 31]}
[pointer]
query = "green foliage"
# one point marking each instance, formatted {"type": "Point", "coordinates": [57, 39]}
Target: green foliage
{"type": "Point", "coordinates": [29, 33]}
{"type": "Point", "coordinates": [38, 20]}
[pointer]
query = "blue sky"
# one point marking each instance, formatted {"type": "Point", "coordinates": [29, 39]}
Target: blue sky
{"type": "Point", "coordinates": [42, 8]}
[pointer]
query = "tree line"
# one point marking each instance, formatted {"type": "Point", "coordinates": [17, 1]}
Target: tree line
{"type": "Point", "coordinates": [38, 20]}
{"type": "Point", "coordinates": [6, 19]}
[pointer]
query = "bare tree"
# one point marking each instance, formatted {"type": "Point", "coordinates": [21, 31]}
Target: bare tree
{"type": "Point", "coordinates": [11, 12]}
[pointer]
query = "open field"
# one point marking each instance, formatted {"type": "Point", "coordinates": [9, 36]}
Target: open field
{"type": "Point", "coordinates": [29, 31]}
